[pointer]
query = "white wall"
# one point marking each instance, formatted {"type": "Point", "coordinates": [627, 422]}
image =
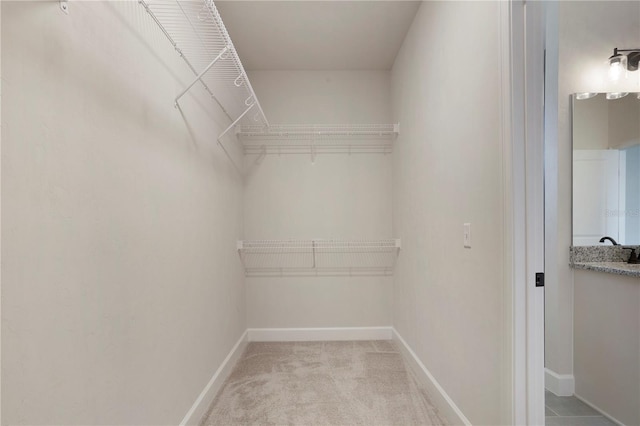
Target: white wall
{"type": "Point", "coordinates": [588, 32]}
{"type": "Point", "coordinates": [122, 291]}
{"type": "Point", "coordinates": [607, 343]}
{"type": "Point", "coordinates": [337, 197]}
{"type": "Point", "coordinates": [624, 121]}
{"type": "Point", "coordinates": [448, 171]}
{"type": "Point", "coordinates": [590, 123]}
{"type": "Point", "coordinates": [598, 123]}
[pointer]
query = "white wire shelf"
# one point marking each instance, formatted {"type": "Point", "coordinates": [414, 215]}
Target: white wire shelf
{"type": "Point", "coordinates": [318, 257]}
{"type": "Point", "coordinates": [317, 138]}
{"type": "Point", "coordinates": [197, 32]}
{"type": "Point", "coordinates": [316, 131]}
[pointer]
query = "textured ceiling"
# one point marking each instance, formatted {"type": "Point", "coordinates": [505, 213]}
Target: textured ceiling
{"type": "Point", "coordinates": [317, 35]}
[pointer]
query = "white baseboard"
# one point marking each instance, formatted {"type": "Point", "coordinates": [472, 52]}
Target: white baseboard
{"type": "Point", "coordinates": [198, 409]}
{"type": "Point", "coordinates": [595, 407]}
{"type": "Point", "coordinates": [559, 384]}
{"type": "Point", "coordinates": [445, 404]}
{"type": "Point", "coordinates": [318, 334]}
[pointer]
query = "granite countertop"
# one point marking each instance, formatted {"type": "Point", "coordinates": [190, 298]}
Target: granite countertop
{"type": "Point", "coordinates": [620, 268]}
{"type": "Point", "coordinates": [609, 259]}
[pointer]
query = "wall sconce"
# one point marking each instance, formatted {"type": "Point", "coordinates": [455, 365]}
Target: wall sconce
{"type": "Point", "coordinates": [586, 95]}
{"type": "Point", "coordinates": [616, 95]}
{"type": "Point", "coordinates": [621, 61]}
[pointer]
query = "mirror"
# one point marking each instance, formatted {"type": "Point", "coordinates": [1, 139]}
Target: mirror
{"type": "Point", "coordinates": [606, 169]}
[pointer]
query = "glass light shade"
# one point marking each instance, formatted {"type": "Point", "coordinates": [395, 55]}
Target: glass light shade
{"type": "Point", "coordinates": [617, 67]}
{"type": "Point", "coordinates": [585, 95]}
{"type": "Point", "coordinates": [616, 95]}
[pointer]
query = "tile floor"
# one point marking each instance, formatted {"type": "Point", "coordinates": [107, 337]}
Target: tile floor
{"type": "Point", "coordinates": [570, 411]}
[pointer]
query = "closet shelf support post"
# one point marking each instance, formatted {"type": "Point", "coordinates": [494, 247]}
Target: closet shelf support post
{"type": "Point", "coordinates": [313, 246]}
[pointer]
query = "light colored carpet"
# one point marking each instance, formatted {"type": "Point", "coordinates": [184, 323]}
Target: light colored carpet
{"type": "Point", "coordinates": [322, 383]}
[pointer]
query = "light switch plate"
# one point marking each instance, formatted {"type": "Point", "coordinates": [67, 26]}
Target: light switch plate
{"type": "Point", "coordinates": [467, 235]}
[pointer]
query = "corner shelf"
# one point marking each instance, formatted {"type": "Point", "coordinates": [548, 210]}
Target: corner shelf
{"type": "Point", "coordinates": [196, 31]}
{"type": "Point", "coordinates": [318, 138]}
{"type": "Point", "coordinates": [318, 257]}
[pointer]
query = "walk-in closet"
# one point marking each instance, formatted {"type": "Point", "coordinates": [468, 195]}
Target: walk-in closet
{"type": "Point", "coordinates": [188, 186]}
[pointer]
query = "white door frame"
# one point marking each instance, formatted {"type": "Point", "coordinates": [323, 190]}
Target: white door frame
{"type": "Point", "coordinates": [0, 212]}
{"type": "Point", "coordinates": [534, 106]}
{"type": "Point", "coordinates": [524, 206]}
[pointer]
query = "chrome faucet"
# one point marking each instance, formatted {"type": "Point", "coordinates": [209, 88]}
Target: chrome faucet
{"type": "Point", "coordinates": [610, 239]}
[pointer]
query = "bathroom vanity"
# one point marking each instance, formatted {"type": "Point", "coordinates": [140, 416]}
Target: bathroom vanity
{"type": "Point", "coordinates": [607, 338]}
{"type": "Point", "coordinates": [606, 335]}
{"type": "Point", "coordinates": [606, 289]}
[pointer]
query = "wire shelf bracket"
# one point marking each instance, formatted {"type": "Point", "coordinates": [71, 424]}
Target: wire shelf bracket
{"type": "Point", "coordinates": [197, 33]}
{"type": "Point", "coordinates": [318, 257]}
